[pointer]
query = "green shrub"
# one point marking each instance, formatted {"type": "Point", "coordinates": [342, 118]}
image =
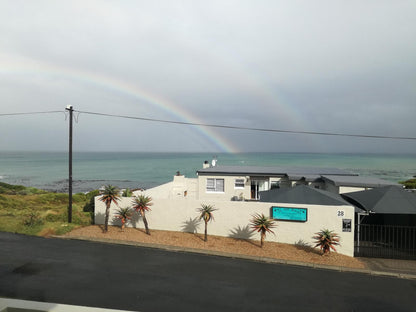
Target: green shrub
{"type": "Point", "coordinates": [127, 193]}
{"type": "Point", "coordinates": [32, 190]}
{"type": "Point", "coordinates": [64, 228]}
{"type": "Point", "coordinates": [79, 197]}
{"type": "Point", "coordinates": [10, 189]}
{"type": "Point", "coordinates": [55, 198]}
{"type": "Point", "coordinates": [78, 217]}
{"type": "Point", "coordinates": [92, 194]}
{"type": "Point", "coordinates": [32, 219]}
{"type": "Point", "coordinates": [51, 217]}
{"type": "Point", "coordinates": [409, 184]}
{"type": "Point", "coordinates": [90, 206]}
{"type": "Point", "coordinates": [18, 215]}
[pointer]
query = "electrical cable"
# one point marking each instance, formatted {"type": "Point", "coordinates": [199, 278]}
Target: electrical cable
{"type": "Point", "coordinates": [30, 113]}
{"type": "Point", "coordinates": [220, 126]}
{"type": "Point", "coordinates": [249, 128]}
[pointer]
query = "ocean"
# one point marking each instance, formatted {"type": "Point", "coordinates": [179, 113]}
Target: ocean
{"type": "Point", "coordinates": [91, 170]}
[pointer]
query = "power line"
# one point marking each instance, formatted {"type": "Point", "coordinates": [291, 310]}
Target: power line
{"type": "Point", "coordinates": [30, 113]}
{"type": "Point", "coordinates": [249, 128]}
{"type": "Point", "coordinates": [222, 126]}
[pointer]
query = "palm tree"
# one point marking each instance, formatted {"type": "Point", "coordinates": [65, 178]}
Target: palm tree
{"type": "Point", "coordinates": [206, 215]}
{"type": "Point", "coordinates": [141, 204]}
{"type": "Point", "coordinates": [326, 240]}
{"type": "Point", "coordinates": [109, 195]}
{"type": "Point", "coordinates": [262, 224]}
{"type": "Point", "coordinates": [124, 214]}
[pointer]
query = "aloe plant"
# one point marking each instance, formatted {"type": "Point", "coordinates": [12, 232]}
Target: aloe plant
{"type": "Point", "coordinates": [206, 214]}
{"type": "Point", "coordinates": [142, 204]}
{"type": "Point", "coordinates": [127, 193]}
{"type": "Point", "coordinates": [326, 240]}
{"type": "Point", "coordinates": [108, 196]}
{"type": "Point", "coordinates": [263, 225]}
{"type": "Point", "coordinates": [124, 214]}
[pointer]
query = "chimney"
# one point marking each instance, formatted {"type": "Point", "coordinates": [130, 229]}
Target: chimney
{"type": "Point", "coordinates": [205, 164]}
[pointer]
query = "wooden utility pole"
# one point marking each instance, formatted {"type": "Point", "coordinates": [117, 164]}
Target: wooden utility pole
{"type": "Point", "coordinates": [70, 109]}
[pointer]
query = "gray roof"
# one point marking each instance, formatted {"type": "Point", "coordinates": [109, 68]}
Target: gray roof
{"type": "Point", "coordinates": [384, 200]}
{"type": "Point", "coordinates": [357, 181]}
{"type": "Point", "coordinates": [306, 177]}
{"type": "Point", "coordinates": [273, 171]}
{"type": "Point", "coordinates": [302, 194]}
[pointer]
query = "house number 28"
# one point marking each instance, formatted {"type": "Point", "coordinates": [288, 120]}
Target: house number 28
{"type": "Point", "coordinates": [340, 213]}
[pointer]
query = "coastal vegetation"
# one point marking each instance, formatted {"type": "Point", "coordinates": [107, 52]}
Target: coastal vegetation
{"type": "Point", "coordinates": [32, 211]}
{"type": "Point", "coordinates": [409, 184]}
{"type": "Point", "coordinates": [127, 193]}
{"type": "Point", "coordinates": [263, 225]}
{"type": "Point", "coordinates": [326, 240]}
{"type": "Point", "coordinates": [142, 204]}
{"type": "Point", "coordinates": [124, 214]}
{"type": "Point", "coordinates": [206, 214]}
{"type": "Point", "coordinates": [109, 195]}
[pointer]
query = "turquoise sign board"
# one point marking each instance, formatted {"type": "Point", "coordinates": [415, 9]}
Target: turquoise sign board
{"type": "Point", "coordinates": [290, 214]}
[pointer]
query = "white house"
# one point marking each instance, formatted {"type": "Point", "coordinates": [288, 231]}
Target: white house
{"type": "Point", "coordinates": [302, 200]}
{"type": "Point", "coordinates": [246, 182]}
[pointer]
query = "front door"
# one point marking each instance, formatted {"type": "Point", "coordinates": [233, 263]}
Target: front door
{"type": "Point", "coordinates": [258, 185]}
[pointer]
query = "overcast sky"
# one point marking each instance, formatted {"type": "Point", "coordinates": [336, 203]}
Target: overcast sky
{"type": "Point", "coordinates": [325, 66]}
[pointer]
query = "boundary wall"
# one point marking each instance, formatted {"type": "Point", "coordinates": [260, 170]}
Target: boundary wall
{"type": "Point", "coordinates": [232, 220]}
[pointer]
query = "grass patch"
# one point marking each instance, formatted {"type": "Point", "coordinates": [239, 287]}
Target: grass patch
{"type": "Point", "coordinates": [409, 184]}
{"type": "Point", "coordinates": [36, 212]}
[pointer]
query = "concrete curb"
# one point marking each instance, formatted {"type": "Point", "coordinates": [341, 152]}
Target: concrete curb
{"type": "Point", "coordinates": [244, 257]}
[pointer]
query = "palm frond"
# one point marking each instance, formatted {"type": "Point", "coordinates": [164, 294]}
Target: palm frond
{"type": "Point", "coordinates": [142, 203]}
{"type": "Point", "coordinates": [206, 212]}
{"type": "Point", "coordinates": [326, 240]}
{"type": "Point", "coordinates": [261, 223]}
{"type": "Point", "coordinates": [110, 194]}
{"type": "Point", "coordinates": [124, 213]}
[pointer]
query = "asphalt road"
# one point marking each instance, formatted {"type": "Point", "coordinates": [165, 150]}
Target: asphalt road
{"type": "Point", "coordinates": [145, 279]}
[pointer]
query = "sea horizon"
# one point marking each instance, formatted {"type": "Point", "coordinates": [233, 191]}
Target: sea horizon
{"type": "Point", "coordinates": [92, 169]}
{"type": "Point", "coordinates": [212, 152]}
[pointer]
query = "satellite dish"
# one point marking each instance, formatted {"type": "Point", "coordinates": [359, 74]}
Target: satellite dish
{"type": "Point", "coordinates": [214, 162]}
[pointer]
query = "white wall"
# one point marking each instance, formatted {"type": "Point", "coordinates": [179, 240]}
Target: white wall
{"type": "Point", "coordinates": [180, 187]}
{"type": "Point", "coordinates": [232, 219]}
{"type": "Point", "coordinates": [350, 189]}
{"type": "Point", "coordinates": [229, 188]}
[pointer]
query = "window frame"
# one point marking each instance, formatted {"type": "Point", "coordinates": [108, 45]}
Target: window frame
{"type": "Point", "coordinates": [241, 184]}
{"type": "Point", "coordinates": [217, 186]}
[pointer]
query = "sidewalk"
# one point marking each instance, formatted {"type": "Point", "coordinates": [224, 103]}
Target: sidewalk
{"type": "Point", "coordinates": [393, 266]}
{"type": "Point", "coordinates": [375, 266]}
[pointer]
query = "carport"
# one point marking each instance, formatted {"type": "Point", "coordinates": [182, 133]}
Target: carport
{"type": "Point", "coordinates": [387, 226]}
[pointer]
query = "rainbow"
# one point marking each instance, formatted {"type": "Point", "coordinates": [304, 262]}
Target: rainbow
{"type": "Point", "coordinates": [27, 66]}
{"type": "Point", "coordinates": [266, 95]}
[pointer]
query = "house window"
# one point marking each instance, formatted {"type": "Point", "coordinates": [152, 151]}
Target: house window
{"type": "Point", "coordinates": [239, 183]}
{"type": "Point", "coordinates": [215, 185]}
{"type": "Point", "coordinates": [274, 185]}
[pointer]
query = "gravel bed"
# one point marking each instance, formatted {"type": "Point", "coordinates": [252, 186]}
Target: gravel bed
{"type": "Point", "coordinates": [219, 243]}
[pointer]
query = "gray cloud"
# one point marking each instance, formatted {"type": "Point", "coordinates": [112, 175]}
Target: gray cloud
{"type": "Point", "coordinates": [298, 65]}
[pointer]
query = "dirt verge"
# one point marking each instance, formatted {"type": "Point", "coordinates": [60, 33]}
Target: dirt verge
{"type": "Point", "coordinates": [300, 253]}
